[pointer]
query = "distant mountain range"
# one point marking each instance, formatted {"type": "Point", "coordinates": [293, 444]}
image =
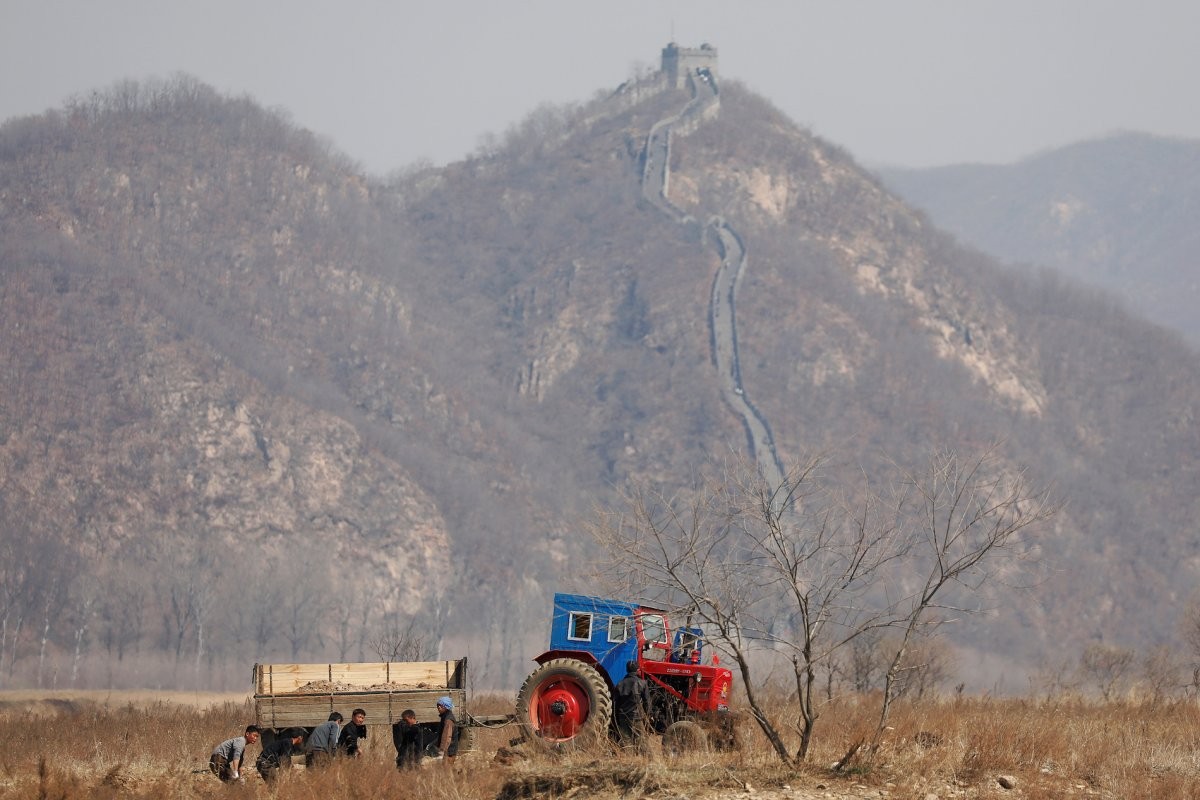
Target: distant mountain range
{"type": "Point", "coordinates": [1119, 213]}
{"type": "Point", "coordinates": [258, 407]}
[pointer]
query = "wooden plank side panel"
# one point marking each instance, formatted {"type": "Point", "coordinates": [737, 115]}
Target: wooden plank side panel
{"type": "Point", "coordinates": [360, 673]}
{"type": "Point", "coordinates": [276, 679]}
{"type": "Point", "coordinates": [432, 673]}
{"type": "Point", "coordinates": [381, 707]}
{"type": "Point", "coordinates": [285, 678]}
{"type": "Point", "coordinates": [273, 712]}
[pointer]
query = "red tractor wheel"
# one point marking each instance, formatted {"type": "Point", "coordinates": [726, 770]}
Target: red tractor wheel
{"type": "Point", "coordinates": [563, 701]}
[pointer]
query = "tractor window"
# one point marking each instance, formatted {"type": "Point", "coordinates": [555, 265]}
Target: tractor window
{"type": "Point", "coordinates": [687, 646]}
{"type": "Point", "coordinates": [618, 629]}
{"type": "Point", "coordinates": [580, 627]}
{"type": "Point", "coordinates": [654, 629]}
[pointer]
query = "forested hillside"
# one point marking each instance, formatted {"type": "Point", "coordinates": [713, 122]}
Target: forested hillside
{"type": "Point", "coordinates": [1118, 213]}
{"type": "Point", "coordinates": [260, 407]}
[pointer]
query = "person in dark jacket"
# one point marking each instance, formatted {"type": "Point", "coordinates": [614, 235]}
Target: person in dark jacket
{"type": "Point", "coordinates": [448, 731]}
{"type": "Point", "coordinates": [352, 733]}
{"type": "Point", "coordinates": [409, 740]}
{"type": "Point", "coordinates": [278, 754]}
{"type": "Point", "coordinates": [632, 705]}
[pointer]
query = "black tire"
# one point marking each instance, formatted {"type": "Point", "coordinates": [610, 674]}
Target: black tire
{"type": "Point", "coordinates": [586, 703]}
{"type": "Point", "coordinates": [685, 736]}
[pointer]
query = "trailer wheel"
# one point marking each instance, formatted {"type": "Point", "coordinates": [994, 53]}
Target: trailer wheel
{"type": "Point", "coordinates": [267, 736]}
{"type": "Point", "coordinates": [564, 701]}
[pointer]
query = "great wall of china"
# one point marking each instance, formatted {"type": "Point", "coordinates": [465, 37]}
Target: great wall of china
{"type": "Point", "coordinates": [696, 70]}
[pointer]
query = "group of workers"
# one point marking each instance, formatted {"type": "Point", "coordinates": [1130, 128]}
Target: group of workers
{"type": "Point", "coordinates": [332, 739]}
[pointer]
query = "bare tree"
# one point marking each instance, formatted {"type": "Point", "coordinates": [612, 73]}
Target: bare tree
{"type": "Point", "coordinates": [52, 597]}
{"type": "Point", "coordinates": [1189, 626]}
{"type": "Point", "coordinates": [204, 594]}
{"type": "Point", "coordinates": [1161, 669]}
{"type": "Point", "coordinates": [308, 597]}
{"type": "Point", "coordinates": [260, 616]}
{"type": "Point", "coordinates": [171, 594]}
{"type": "Point", "coordinates": [398, 641]}
{"type": "Point", "coordinates": [721, 553]}
{"type": "Point", "coordinates": [353, 604]}
{"type": "Point", "coordinates": [969, 515]}
{"type": "Point", "coordinates": [801, 571]}
{"type": "Point", "coordinates": [188, 587]}
{"type": "Point", "coordinates": [123, 611]}
{"type": "Point", "coordinates": [34, 567]}
{"type": "Point", "coordinates": [864, 662]}
{"type": "Point", "coordinates": [928, 663]}
{"type": "Point", "coordinates": [1107, 667]}
{"type": "Point", "coordinates": [59, 566]}
{"type": "Point", "coordinates": [1056, 675]}
{"type": "Point", "coordinates": [17, 589]}
{"type": "Point", "coordinates": [83, 596]}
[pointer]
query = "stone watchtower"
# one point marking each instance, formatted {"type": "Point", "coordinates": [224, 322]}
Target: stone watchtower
{"type": "Point", "coordinates": [678, 62]}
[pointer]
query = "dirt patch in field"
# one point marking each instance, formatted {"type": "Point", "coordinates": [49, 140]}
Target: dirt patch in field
{"type": "Point", "coordinates": [52, 706]}
{"type": "Point", "coordinates": [589, 782]}
{"type": "Point", "coordinates": [619, 782]}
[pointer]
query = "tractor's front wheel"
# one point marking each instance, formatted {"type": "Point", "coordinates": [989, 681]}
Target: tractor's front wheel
{"type": "Point", "coordinates": [684, 736]}
{"type": "Point", "coordinates": [565, 701]}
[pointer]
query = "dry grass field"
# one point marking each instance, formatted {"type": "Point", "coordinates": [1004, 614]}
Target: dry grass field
{"type": "Point", "coordinates": [142, 745]}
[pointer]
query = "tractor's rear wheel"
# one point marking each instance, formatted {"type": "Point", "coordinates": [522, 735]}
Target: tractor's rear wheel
{"type": "Point", "coordinates": [565, 701]}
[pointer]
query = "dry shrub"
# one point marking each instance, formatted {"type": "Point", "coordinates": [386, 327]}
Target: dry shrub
{"type": "Point", "coordinates": [1053, 747]}
{"type": "Point", "coordinates": [372, 776]}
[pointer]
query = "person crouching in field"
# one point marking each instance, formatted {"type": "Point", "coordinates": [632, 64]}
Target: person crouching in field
{"type": "Point", "coordinates": [409, 740]}
{"type": "Point", "coordinates": [227, 757]}
{"type": "Point", "coordinates": [277, 755]}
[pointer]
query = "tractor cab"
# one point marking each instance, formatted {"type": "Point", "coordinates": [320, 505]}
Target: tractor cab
{"type": "Point", "coordinates": [654, 640]}
{"type": "Point", "coordinates": [610, 633]}
{"type": "Point", "coordinates": [658, 642]}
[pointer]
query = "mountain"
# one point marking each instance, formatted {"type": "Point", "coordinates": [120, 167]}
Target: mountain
{"type": "Point", "coordinates": [1117, 213]}
{"type": "Point", "coordinates": [260, 407]}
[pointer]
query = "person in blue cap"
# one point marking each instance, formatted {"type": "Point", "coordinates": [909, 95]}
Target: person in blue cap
{"type": "Point", "coordinates": [447, 741]}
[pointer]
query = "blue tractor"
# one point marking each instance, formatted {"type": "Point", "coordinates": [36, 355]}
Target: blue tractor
{"type": "Point", "coordinates": [570, 694]}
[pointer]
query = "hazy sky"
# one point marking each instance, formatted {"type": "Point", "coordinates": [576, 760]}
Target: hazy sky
{"type": "Point", "coordinates": [899, 82]}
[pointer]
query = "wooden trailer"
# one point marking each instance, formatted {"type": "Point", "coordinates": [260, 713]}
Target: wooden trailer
{"type": "Point", "coordinates": [303, 695]}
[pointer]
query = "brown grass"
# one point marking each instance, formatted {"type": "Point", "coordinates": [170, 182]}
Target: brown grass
{"type": "Point", "coordinates": [106, 746]}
